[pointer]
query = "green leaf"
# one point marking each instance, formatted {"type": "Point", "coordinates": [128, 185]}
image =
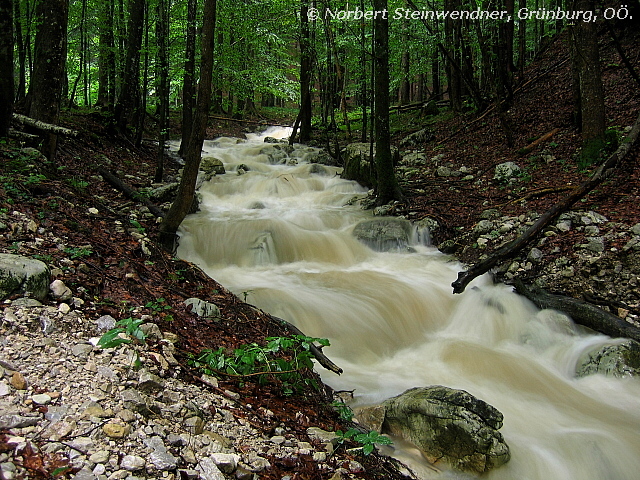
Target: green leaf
{"type": "Point", "coordinates": [111, 339]}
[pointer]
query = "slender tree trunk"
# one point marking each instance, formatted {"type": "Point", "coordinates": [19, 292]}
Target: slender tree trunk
{"type": "Point", "coordinates": [162, 39]}
{"type": "Point", "coordinates": [405, 84]}
{"type": "Point", "coordinates": [22, 53]}
{"type": "Point", "coordinates": [129, 100]}
{"type": "Point", "coordinates": [363, 78]}
{"type": "Point", "coordinates": [435, 74]}
{"type": "Point", "coordinates": [387, 186]}
{"type": "Point", "coordinates": [188, 81]}
{"type": "Point", "coordinates": [184, 199]}
{"type": "Point", "coordinates": [48, 77]}
{"type": "Point", "coordinates": [591, 90]}
{"type": "Point", "coordinates": [139, 114]}
{"type": "Point", "coordinates": [6, 65]}
{"type": "Point", "coordinates": [305, 73]}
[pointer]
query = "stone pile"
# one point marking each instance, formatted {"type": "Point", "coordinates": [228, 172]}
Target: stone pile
{"type": "Point", "coordinates": [124, 413]}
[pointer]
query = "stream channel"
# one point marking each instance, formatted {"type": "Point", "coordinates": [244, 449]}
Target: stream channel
{"type": "Point", "coordinates": [281, 235]}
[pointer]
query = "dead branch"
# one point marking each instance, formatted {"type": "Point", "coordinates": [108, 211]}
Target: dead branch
{"type": "Point", "coordinates": [539, 193]}
{"type": "Point", "coordinates": [581, 312]}
{"type": "Point", "coordinates": [43, 126]}
{"type": "Point", "coordinates": [529, 148]}
{"type": "Point", "coordinates": [129, 192]}
{"type": "Point", "coordinates": [604, 171]}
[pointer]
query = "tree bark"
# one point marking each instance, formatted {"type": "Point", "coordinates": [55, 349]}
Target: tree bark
{"type": "Point", "coordinates": [48, 77]}
{"type": "Point", "coordinates": [305, 73]}
{"type": "Point", "coordinates": [6, 65]}
{"type": "Point", "coordinates": [129, 99]}
{"type": "Point", "coordinates": [188, 81]}
{"type": "Point", "coordinates": [43, 126]}
{"type": "Point", "coordinates": [603, 172]}
{"type": "Point", "coordinates": [162, 39]}
{"type": "Point", "coordinates": [182, 204]}
{"type": "Point", "coordinates": [387, 185]}
{"type": "Point", "coordinates": [591, 89]}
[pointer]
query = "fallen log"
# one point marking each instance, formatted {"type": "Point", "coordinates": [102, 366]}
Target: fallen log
{"type": "Point", "coordinates": [529, 148]}
{"type": "Point", "coordinates": [129, 192]}
{"type": "Point", "coordinates": [43, 126]}
{"type": "Point", "coordinates": [581, 312]}
{"type": "Point", "coordinates": [604, 171]}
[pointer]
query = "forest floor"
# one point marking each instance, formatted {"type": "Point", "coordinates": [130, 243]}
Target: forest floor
{"type": "Point", "coordinates": [96, 252]}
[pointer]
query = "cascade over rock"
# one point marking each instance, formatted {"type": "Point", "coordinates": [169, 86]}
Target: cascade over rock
{"type": "Point", "coordinates": [448, 425]}
{"type": "Point", "coordinates": [384, 234]}
{"type": "Point", "coordinates": [24, 275]}
{"type": "Point", "coordinates": [619, 360]}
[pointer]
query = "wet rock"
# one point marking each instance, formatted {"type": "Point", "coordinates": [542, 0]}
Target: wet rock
{"type": "Point", "coordinates": [417, 138]}
{"type": "Point", "coordinates": [506, 172]}
{"type": "Point", "coordinates": [212, 165]}
{"type": "Point", "coordinates": [618, 360]}
{"type": "Point", "coordinates": [384, 234]}
{"type": "Point", "coordinates": [449, 425]}
{"type": "Point", "coordinates": [202, 308]}
{"type": "Point", "coordinates": [358, 164]}
{"type": "Point", "coordinates": [105, 323]}
{"type": "Point", "coordinates": [60, 291]}
{"type": "Point", "coordinates": [25, 275]}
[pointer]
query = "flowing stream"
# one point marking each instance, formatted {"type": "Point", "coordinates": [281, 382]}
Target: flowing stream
{"type": "Point", "coordinates": [281, 235]}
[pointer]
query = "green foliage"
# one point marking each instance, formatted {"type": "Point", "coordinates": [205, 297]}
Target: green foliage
{"type": "Point", "coordinates": [130, 327]}
{"type": "Point", "coordinates": [344, 411]}
{"type": "Point", "coordinates": [136, 224]}
{"type": "Point", "coordinates": [77, 252]}
{"type": "Point", "coordinates": [158, 305]}
{"type": "Point", "coordinates": [78, 183]}
{"type": "Point", "coordinates": [285, 358]}
{"type": "Point", "coordinates": [367, 440]}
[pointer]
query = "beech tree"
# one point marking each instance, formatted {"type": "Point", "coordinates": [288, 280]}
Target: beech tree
{"type": "Point", "coordinates": [186, 190]}
{"type": "Point", "coordinates": [6, 65]}
{"type": "Point", "coordinates": [387, 185]}
{"type": "Point", "coordinates": [45, 89]}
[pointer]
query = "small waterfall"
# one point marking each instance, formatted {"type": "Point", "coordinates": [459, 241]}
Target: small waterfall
{"type": "Point", "coordinates": [283, 234]}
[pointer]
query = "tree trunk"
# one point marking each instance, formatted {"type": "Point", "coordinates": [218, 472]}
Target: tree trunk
{"type": "Point", "coordinates": [22, 53]}
{"type": "Point", "coordinates": [129, 100]}
{"type": "Point", "coordinates": [188, 81]}
{"type": "Point", "coordinates": [6, 65]}
{"type": "Point", "coordinates": [405, 84]}
{"type": "Point", "coordinates": [305, 73]}
{"type": "Point", "coordinates": [48, 77]}
{"type": "Point", "coordinates": [162, 39]}
{"type": "Point", "coordinates": [184, 200]}
{"type": "Point", "coordinates": [591, 91]}
{"type": "Point", "coordinates": [387, 185]}
{"type": "Point", "coordinates": [105, 56]}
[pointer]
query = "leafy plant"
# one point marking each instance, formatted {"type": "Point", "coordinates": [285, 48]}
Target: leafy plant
{"type": "Point", "coordinates": [344, 411]}
{"type": "Point", "coordinates": [367, 440]}
{"type": "Point", "coordinates": [78, 183]}
{"type": "Point", "coordinates": [261, 362]}
{"type": "Point", "coordinates": [77, 252]}
{"type": "Point", "coordinates": [157, 305]}
{"type": "Point", "coordinates": [130, 327]}
{"type": "Point", "coordinates": [136, 224]}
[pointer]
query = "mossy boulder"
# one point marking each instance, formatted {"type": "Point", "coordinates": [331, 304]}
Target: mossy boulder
{"type": "Point", "coordinates": [23, 275]}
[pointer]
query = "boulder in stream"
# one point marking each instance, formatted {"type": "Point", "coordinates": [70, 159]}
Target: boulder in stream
{"type": "Point", "coordinates": [450, 426]}
{"type": "Point", "coordinates": [384, 234]}
{"type": "Point", "coordinates": [358, 164]}
{"type": "Point", "coordinates": [617, 360]}
{"type": "Point", "coordinates": [212, 165]}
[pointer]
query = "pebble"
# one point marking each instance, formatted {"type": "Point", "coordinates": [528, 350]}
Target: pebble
{"type": "Point", "coordinates": [124, 423]}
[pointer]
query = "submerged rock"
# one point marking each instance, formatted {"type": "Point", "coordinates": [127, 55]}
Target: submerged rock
{"type": "Point", "coordinates": [448, 425]}
{"type": "Point", "coordinates": [384, 234]}
{"type": "Point", "coordinates": [619, 360]}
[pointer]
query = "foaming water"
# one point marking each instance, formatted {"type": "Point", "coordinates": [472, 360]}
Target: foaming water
{"type": "Point", "coordinates": [281, 234]}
